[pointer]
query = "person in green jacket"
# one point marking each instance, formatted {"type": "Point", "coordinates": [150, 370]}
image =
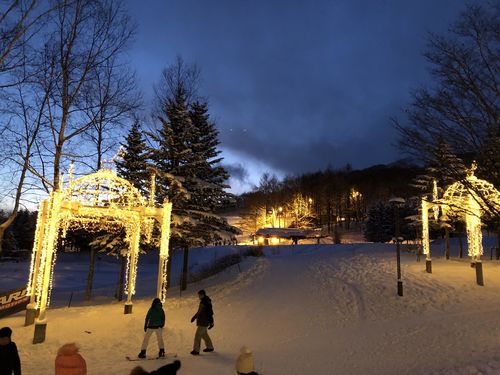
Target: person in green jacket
{"type": "Point", "coordinates": [154, 322]}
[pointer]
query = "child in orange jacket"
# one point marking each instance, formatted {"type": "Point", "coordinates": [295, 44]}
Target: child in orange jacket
{"type": "Point", "coordinates": [69, 361]}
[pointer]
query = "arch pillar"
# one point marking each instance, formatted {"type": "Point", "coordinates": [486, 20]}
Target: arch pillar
{"type": "Point", "coordinates": [44, 284]}
{"type": "Point", "coordinates": [161, 288]}
{"type": "Point", "coordinates": [31, 309]}
{"type": "Point", "coordinates": [134, 233]}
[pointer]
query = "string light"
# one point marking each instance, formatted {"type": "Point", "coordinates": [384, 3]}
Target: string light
{"type": "Point", "coordinates": [462, 199]}
{"type": "Point", "coordinates": [127, 272]}
{"type": "Point", "coordinates": [435, 207]}
{"type": "Point", "coordinates": [425, 228]}
{"type": "Point", "coordinates": [36, 243]}
{"type": "Point", "coordinates": [164, 254]}
{"type": "Point", "coordinates": [99, 201]}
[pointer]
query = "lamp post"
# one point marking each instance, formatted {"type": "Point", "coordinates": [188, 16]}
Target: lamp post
{"type": "Point", "coordinates": [397, 202]}
{"type": "Point", "coordinates": [280, 213]}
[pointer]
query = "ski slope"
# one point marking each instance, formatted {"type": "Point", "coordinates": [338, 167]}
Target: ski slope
{"type": "Point", "coordinates": [306, 309]}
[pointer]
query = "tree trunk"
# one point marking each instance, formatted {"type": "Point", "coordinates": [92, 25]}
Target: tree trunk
{"type": "Point", "coordinates": [447, 242]}
{"type": "Point", "coordinates": [498, 243]}
{"type": "Point", "coordinates": [3, 228]}
{"type": "Point", "coordinates": [90, 275]}
{"type": "Point", "coordinates": [19, 189]}
{"type": "Point", "coordinates": [185, 268]}
{"type": "Point", "coordinates": [329, 216]}
{"type": "Point", "coordinates": [121, 282]}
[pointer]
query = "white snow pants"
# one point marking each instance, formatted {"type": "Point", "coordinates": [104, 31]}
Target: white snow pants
{"type": "Point", "coordinates": [159, 337]}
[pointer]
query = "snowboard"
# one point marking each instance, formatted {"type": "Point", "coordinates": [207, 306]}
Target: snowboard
{"type": "Point", "coordinates": [135, 358]}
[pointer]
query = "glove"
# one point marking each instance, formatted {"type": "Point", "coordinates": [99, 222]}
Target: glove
{"type": "Point", "coordinates": [193, 319]}
{"type": "Point", "coordinates": [211, 325]}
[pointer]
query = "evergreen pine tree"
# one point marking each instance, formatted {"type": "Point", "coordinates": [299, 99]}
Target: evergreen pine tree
{"type": "Point", "coordinates": [189, 174]}
{"type": "Point", "coordinates": [379, 224]}
{"type": "Point", "coordinates": [210, 174]}
{"type": "Point", "coordinates": [205, 142]}
{"type": "Point", "coordinates": [133, 163]}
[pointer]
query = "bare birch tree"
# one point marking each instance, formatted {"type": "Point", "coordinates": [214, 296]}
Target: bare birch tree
{"type": "Point", "coordinates": [21, 120]}
{"type": "Point", "coordinates": [85, 37]}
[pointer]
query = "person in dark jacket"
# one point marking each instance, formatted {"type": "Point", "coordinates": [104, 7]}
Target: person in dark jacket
{"type": "Point", "coordinates": [154, 322]}
{"type": "Point", "coordinates": [204, 320]}
{"type": "Point", "coordinates": [9, 357]}
{"type": "Point", "coordinates": [170, 369]}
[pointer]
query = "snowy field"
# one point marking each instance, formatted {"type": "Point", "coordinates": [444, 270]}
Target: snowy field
{"type": "Point", "coordinates": [307, 309]}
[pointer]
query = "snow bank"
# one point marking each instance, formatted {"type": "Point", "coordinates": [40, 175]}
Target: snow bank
{"type": "Point", "coordinates": [306, 309]}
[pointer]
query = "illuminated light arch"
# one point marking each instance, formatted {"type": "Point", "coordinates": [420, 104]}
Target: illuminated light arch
{"type": "Point", "coordinates": [97, 201]}
{"type": "Point", "coordinates": [462, 199]}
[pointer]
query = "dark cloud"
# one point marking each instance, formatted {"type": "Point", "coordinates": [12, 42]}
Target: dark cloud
{"type": "Point", "coordinates": [297, 85]}
{"type": "Point", "coordinates": [237, 171]}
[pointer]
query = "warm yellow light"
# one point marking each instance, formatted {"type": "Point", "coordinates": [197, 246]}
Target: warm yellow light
{"type": "Point", "coordinates": [99, 201]}
{"type": "Point", "coordinates": [355, 194]}
{"type": "Point", "coordinates": [435, 207]}
{"type": "Point", "coordinates": [463, 199]}
{"type": "Point", "coordinates": [425, 228]}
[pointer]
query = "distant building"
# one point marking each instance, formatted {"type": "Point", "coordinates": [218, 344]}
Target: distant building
{"type": "Point", "coordinates": [272, 236]}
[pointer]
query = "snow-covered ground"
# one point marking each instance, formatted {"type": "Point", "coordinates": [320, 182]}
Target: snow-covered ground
{"type": "Point", "coordinates": [307, 309]}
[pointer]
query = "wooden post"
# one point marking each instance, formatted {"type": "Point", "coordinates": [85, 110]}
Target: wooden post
{"type": "Point", "coordinates": [428, 265]}
{"type": "Point", "coordinates": [479, 273]}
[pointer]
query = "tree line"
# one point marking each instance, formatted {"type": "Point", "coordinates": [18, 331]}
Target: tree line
{"type": "Point", "coordinates": [450, 123]}
{"type": "Point", "coordinates": [334, 199]}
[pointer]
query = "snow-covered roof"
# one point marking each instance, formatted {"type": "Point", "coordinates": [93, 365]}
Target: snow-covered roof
{"type": "Point", "coordinates": [287, 232]}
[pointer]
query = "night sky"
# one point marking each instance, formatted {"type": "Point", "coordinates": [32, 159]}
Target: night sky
{"type": "Point", "coordinates": [295, 86]}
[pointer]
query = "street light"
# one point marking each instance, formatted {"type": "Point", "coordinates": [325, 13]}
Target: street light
{"type": "Point", "coordinates": [397, 202]}
{"type": "Point", "coordinates": [280, 213]}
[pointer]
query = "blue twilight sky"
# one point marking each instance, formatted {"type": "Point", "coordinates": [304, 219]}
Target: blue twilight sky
{"type": "Point", "coordinates": [295, 86]}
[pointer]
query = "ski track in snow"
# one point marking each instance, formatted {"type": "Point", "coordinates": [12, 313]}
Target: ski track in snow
{"type": "Point", "coordinates": [312, 309]}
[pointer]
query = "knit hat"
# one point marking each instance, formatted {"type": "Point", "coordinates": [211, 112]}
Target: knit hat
{"type": "Point", "coordinates": [245, 350]}
{"type": "Point", "coordinates": [244, 363]}
{"type": "Point", "coordinates": [5, 332]}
